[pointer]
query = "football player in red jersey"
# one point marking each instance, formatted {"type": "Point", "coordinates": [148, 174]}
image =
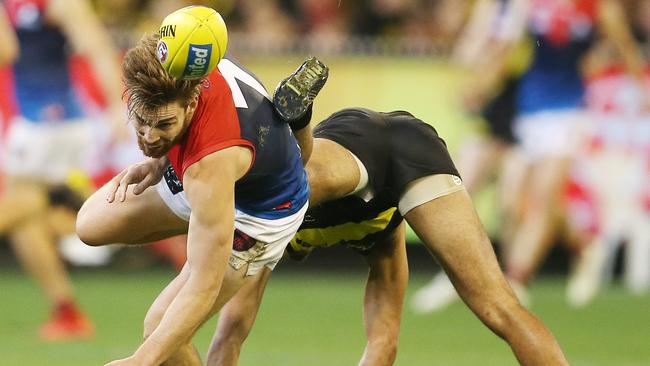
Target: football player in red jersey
{"type": "Point", "coordinates": [228, 172]}
{"type": "Point", "coordinates": [48, 136]}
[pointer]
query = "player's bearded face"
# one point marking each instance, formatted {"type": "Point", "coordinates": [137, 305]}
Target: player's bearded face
{"type": "Point", "coordinates": [158, 133]}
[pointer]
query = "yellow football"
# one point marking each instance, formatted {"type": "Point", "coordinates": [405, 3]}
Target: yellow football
{"type": "Point", "coordinates": [192, 42]}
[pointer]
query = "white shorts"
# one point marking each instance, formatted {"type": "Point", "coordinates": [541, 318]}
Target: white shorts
{"type": "Point", "coordinates": [271, 236]}
{"type": "Point", "coordinates": [46, 151]}
{"type": "Point", "coordinates": [550, 133]}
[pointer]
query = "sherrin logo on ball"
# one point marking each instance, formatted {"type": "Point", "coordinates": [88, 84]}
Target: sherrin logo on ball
{"type": "Point", "coordinates": [192, 42]}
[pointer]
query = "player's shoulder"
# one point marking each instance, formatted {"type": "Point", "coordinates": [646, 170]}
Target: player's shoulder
{"type": "Point", "coordinates": [246, 89]}
{"type": "Point", "coordinates": [214, 85]}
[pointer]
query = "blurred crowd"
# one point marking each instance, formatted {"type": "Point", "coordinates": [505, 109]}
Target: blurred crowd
{"type": "Point", "coordinates": [572, 165]}
{"type": "Point", "coordinates": [329, 26]}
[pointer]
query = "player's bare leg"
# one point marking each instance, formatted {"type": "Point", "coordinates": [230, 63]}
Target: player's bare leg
{"type": "Point", "coordinates": [329, 181]}
{"type": "Point", "coordinates": [478, 160]}
{"type": "Point", "coordinates": [25, 213]}
{"type": "Point", "coordinates": [384, 299]}
{"type": "Point", "coordinates": [21, 199]}
{"type": "Point", "coordinates": [637, 258]}
{"type": "Point", "coordinates": [511, 195]}
{"type": "Point", "coordinates": [451, 230]}
{"type": "Point", "coordinates": [139, 219]}
{"type": "Point", "coordinates": [34, 246]}
{"type": "Point", "coordinates": [236, 320]}
{"type": "Point", "coordinates": [534, 238]}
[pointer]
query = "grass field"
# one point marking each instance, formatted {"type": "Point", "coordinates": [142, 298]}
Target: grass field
{"type": "Point", "coordinates": [315, 319]}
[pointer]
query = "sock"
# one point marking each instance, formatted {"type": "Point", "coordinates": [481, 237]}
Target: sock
{"type": "Point", "coordinates": [67, 310]}
{"type": "Point", "coordinates": [302, 122]}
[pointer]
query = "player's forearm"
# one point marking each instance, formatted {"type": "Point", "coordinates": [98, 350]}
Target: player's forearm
{"type": "Point", "coordinates": [382, 314]}
{"type": "Point", "coordinates": [185, 314]}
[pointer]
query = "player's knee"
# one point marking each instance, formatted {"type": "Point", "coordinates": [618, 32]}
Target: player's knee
{"type": "Point", "coordinates": [88, 229]}
{"type": "Point", "coordinates": [94, 226]}
{"type": "Point", "coordinates": [85, 227]}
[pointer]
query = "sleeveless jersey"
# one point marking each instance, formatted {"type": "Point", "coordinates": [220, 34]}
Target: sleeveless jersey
{"type": "Point", "coordinates": [43, 91]}
{"type": "Point", "coordinates": [562, 32]}
{"type": "Point", "coordinates": [234, 109]}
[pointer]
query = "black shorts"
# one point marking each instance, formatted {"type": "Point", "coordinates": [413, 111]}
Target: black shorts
{"type": "Point", "coordinates": [395, 147]}
{"type": "Point", "coordinates": [500, 112]}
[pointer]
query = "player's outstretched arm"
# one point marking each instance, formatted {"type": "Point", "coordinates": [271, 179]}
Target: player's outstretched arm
{"type": "Point", "coordinates": [451, 230]}
{"type": "Point", "coordinates": [209, 185]}
{"type": "Point", "coordinates": [384, 299]}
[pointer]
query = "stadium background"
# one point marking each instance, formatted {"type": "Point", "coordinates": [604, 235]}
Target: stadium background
{"type": "Point", "coordinates": [312, 311]}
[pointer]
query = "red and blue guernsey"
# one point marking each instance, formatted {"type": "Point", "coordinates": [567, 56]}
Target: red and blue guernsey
{"type": "Point", "coordinates": [562, 31]}
{"type": "Point", "coordinates": [43, 89]}
{"type": "Point", "coordinates": [234, 109]}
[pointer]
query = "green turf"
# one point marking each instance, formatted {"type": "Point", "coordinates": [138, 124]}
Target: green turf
{"type": "Point", "coordinates": [315, 319]}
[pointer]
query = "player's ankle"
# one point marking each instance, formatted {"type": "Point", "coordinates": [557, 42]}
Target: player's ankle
{"type": "Point", "coordinates": [302, 122]}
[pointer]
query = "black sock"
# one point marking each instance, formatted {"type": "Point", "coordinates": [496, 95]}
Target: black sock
{"type": "Point", "coordinates": [301, 123]}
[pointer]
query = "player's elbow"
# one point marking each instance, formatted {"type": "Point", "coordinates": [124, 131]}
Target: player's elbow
{"type": "Point", "coordinates": [503, 317]}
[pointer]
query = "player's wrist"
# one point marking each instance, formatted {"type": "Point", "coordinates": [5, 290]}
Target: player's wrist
{"type": "Point", "coordinates": [147, 354]}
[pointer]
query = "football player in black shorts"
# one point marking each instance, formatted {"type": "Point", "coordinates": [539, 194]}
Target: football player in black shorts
{"type": "Point", "coordinates": [369, 172]}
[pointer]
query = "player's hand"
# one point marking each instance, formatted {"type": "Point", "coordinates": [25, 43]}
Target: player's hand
{"type": "Point", "coordinates": [129, 361]}
{"type": "Point", "coordinates": [144, 174]}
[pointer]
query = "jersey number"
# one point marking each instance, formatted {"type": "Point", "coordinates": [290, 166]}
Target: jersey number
{"type": "Point", "coordinates": [232, 73]}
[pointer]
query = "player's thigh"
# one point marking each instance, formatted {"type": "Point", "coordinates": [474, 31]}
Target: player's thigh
{"type": "Point", "coordinates": [139, 219]}
{"type": "Point", "coordinates": [328, 180]}
{"type": "Point", "coordinates": [547, 177]}
{"type": "Point", "coordinates": [233, 281]}
{"type": "Point", "coordinates": [452, 231]}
